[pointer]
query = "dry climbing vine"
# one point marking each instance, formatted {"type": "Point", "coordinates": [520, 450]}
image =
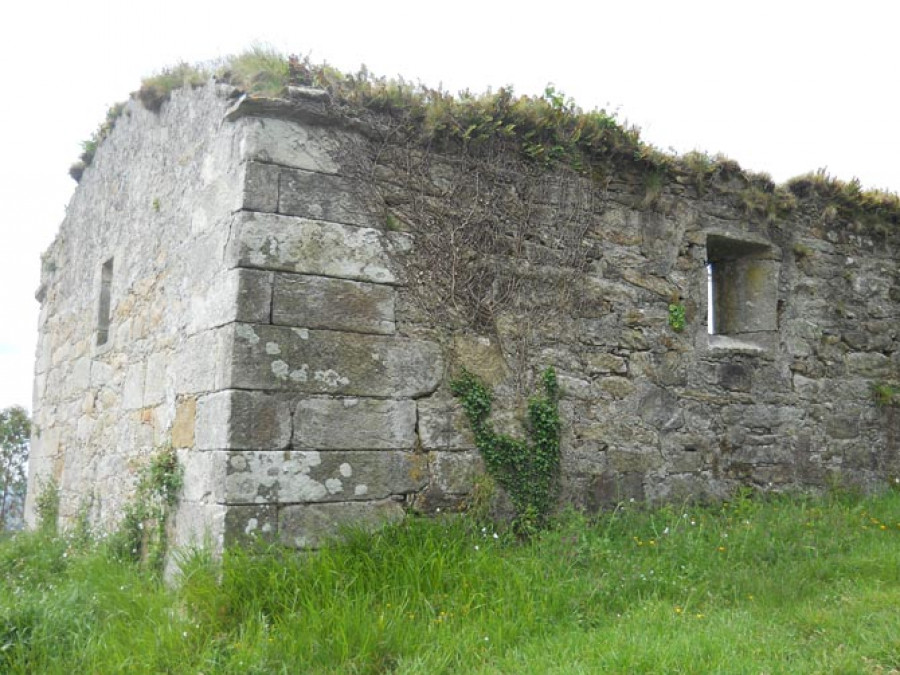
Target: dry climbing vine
{"type": "Point", "coordinates": [499, 238]}
{"type": "Point", "coordinates": [492, 239]}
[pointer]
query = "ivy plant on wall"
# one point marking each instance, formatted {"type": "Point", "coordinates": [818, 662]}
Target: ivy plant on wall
{"type": "Point", "coordinates": [525, 468]}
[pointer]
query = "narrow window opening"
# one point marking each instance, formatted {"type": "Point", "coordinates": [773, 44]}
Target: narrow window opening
{"type": "Point", "coordinates": [103, 310]}
{"type": "Point", "coordinates": [741, 287]}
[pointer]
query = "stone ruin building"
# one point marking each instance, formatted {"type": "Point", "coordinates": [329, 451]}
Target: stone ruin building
{"type": "Point", "coordinates": [283, 295]}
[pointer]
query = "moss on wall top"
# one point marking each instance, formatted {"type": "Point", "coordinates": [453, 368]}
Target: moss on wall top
{"type": "Point", "coordinates": [549, 129]}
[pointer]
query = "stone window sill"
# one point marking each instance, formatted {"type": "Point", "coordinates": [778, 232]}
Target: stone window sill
{"type": "Point", "coordinates": [733, 345]}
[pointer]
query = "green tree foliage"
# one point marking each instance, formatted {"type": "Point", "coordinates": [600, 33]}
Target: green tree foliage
{"type": "Point", "coordinates": [15, 431]}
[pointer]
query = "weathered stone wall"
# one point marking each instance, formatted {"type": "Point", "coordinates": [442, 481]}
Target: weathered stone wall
{"type": "Point", "coordinates": [157, 202]}
{"type": "Point", "coordinates": [292, 313]}
{"type": "Point", "coordinates": [320, 397]}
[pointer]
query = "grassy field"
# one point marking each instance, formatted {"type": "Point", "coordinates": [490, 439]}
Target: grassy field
{"type": "Point", "coordinates": [782, 585]}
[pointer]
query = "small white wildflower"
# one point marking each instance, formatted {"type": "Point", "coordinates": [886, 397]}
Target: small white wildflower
{"type": "Point", "coordinates": [437, 510]}
{"type": "Point", "coordinates": [666, 531]}
{"type": "Point", "coordinates": [184, 634]}
{"type": "Point", "coordinates": [496, 536]}
{"type": "Point", "coordinates": [476, 547]}
{"type": "Point", "coordinates": [693, 522]}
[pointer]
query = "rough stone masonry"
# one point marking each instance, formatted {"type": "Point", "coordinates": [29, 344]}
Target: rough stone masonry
{"type": "Point", "coordinates": [283, 297]}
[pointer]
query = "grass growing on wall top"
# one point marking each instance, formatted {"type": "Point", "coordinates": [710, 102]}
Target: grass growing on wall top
{"type": "Point", "coordinates": [780, 585]}
{"type": "Point", "coordinates": [848, 199]}
{"type": "Point", "coordinates": [548, 129]}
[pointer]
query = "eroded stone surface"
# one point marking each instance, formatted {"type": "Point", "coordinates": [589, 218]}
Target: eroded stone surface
{"type": "Point", "coordinates": [480, 355]}
{"type": "Point", "coordinates": [291, 144]}
{"type": "Point", "coordinates": [239, 420]}
{"type": "Point", "coordinates": [233, 295]}
{"type": "Point", "coordinates": [246, 525]}
{"type": "Point", "coordinates": [324, 197]}
{"type": "Point", "coordinates": [443, 425]}
{"type": "Point", "coordinates": [355, 424]}
{"type": "Point", "coordinates": [301, 476]}
{"type": "Point", "coordinates": [311, 525]}
{"type": "Point", "coordinates": [276, 242]}
{"type": "Point", "coordinates": [199, 524]}
{"type": "Point", "coordinates": [325, 362]}
{"type": "Point", "coordinates": [455, 473]}
{"type": "Point", "coordinates": [335, 304]}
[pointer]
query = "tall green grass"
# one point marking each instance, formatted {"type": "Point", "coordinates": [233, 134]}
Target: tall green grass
{"type": "Point", "coordinates": [780, 585]}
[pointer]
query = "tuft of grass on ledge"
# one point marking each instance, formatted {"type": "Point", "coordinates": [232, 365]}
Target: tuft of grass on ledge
{"type": "Point", "coordinates": [784, 584]}
{"type": "Point", "coordinates": [260, 71]}
{"type": "Point", "coordinates": [89, 147]}
{"type": "Point", "coordinates": [156, 89]}
{"type": "Point", "coordinates": [848, 200]}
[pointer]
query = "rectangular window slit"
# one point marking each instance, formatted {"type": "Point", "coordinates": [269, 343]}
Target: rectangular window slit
{"type": "Point", "coordinates": [103, 310]}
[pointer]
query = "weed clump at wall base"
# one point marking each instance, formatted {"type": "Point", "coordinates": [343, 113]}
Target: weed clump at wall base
{"type": "Point", "coordinates": [142, 535]}
{"type": "Point", "coordinates": [526, 469]}
{"type": "Point", "coordinates": [47, 507]}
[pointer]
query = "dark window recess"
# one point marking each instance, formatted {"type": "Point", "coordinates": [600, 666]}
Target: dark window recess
{"type": "Point", "coordinates": [742, 285]}
{"type": "Point", "coordinates": [103, 309]}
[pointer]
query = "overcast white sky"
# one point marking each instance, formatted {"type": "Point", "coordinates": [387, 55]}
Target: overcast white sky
{"type": "Point", "coordinates": [782, 86]}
